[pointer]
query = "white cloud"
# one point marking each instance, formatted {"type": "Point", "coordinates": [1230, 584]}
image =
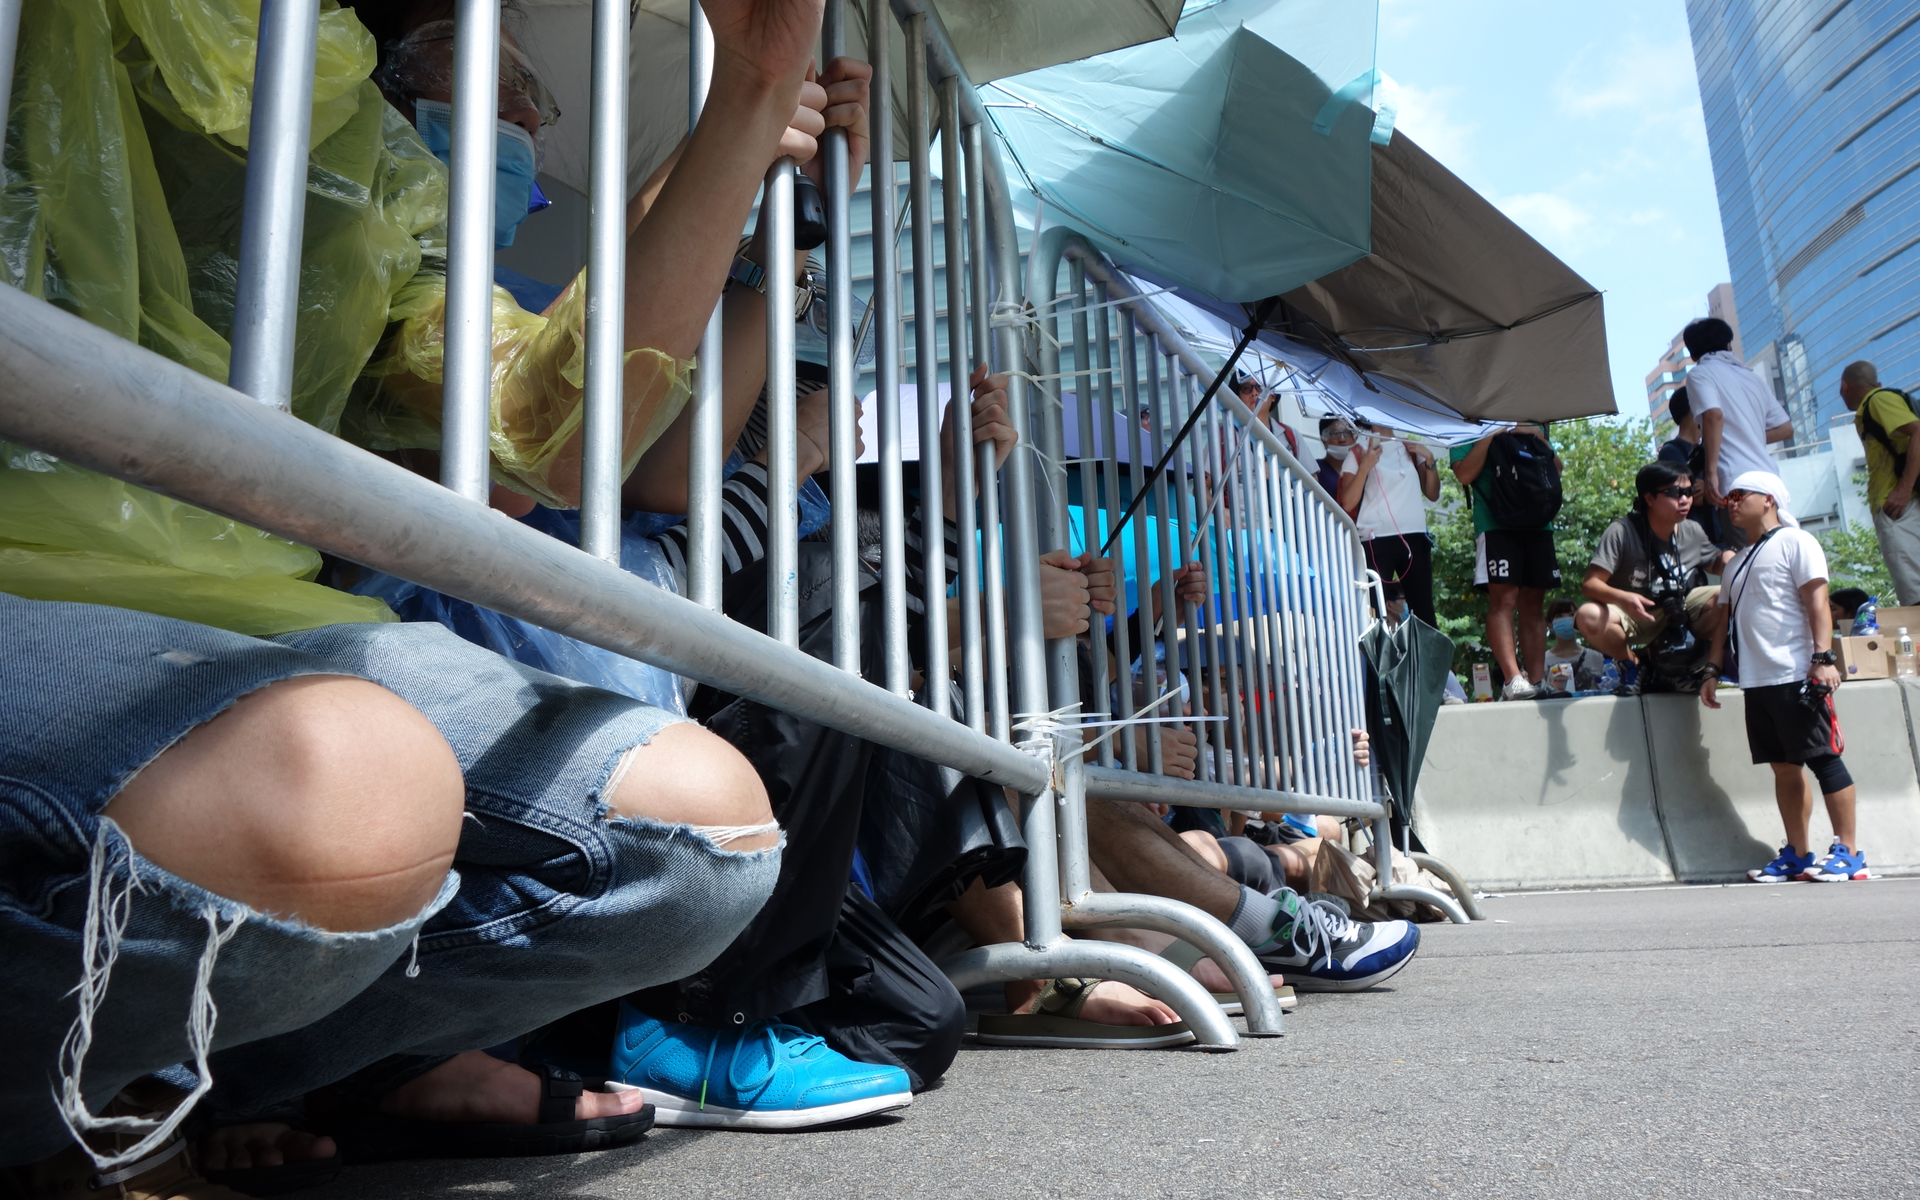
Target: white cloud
{"type": "Point", "coordinates": [1559, 224]}
{"type": "Point", "coordinates": [1423, 116]}
{"type": "Point", "coordinates": [1637, 77]}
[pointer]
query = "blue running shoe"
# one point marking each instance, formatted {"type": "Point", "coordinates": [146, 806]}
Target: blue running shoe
{"type": "Point", "coordinates": [763, 1076]}
{"type": "Point", "coordinates": [1784, 869]}
{"type": "Point", "coordinates": [1321, 949]}
{"type": "Point", "coordinates": [1840, 865]}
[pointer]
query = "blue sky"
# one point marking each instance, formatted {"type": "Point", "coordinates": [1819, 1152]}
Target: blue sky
{"type": "Point", "coordinates": [1581, 121]}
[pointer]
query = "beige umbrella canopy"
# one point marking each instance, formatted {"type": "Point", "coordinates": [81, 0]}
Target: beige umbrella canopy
{"type": "Point", "coordinates": [1457, 301]}
{"type": "Point", "coordinates": [994, 38]}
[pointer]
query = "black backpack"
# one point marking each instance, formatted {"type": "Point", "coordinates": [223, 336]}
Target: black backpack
{"type": "Point", "coordinates": [1873, 430]}
{"type": "Point", "coordinates": [1521, 484]}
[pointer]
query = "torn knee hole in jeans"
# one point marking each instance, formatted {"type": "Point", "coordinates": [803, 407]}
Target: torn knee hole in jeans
{"type": "Point", "coordinates": [724, 835]}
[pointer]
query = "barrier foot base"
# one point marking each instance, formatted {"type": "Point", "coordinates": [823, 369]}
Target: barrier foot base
{"type": "Point", "coordinates": [1110, 910]}
{"type": "Point", "coordinates": [1067, 958]}
{"type": "Point", "coordinates": [1408, 891]}
{"type": "Point", "coordinates": [1462, 890]}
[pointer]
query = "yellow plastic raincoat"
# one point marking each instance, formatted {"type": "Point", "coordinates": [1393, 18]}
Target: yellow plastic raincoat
{"type": "Point", "coordinates": [124, 167]}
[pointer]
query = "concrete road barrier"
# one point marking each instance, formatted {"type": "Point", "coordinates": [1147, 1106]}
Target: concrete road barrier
{"type": "Point", "coordinates": [1554, 794]}
{"type": "Point", "coordinates": [1602, 791]}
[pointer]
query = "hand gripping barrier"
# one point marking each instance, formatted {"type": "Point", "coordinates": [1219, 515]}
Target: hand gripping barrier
{"type": "Point", "coordinates": [1275, 548]}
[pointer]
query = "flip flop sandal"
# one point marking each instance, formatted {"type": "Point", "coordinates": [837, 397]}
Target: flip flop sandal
{"type": "Point", "coordinates": [375, 1137]}
{"type": "Point", "coordinates": [275, 1181]}
{"type": "Point", "coordinates": [1185, 954]}
{"type": "Point", "coordinates": [1056, 1022]}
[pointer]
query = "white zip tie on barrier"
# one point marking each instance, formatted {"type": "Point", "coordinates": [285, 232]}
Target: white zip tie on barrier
{"type": "Point", "coordinates": [105, 927]}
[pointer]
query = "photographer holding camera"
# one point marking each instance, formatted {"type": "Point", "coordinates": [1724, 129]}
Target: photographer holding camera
{"type": "Point", "coordinates": [1781, 630]}
{"type": "Point", "coordinates": [1649, 567]}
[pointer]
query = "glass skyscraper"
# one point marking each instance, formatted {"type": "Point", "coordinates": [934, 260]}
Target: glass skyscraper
{"type": "Point", "coordinates": [1813, 120]}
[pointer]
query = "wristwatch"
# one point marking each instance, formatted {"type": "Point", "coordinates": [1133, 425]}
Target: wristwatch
{"type": "Point", "coordinates": [1713, 669]}
{"type": "Point", "coordinates": [1822, 658]}
{"type": "Point", "coordinates": [751, 274]}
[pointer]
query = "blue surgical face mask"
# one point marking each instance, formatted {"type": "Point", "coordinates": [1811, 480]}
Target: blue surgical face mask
{"type": "Point", "coordinates": [516, 160]}
{"type": "Point", "coordinates": [1563, 628]}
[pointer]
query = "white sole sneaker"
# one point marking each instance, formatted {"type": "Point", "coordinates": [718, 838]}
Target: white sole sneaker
{"type": "Point", "coordinates": [678, 1112]}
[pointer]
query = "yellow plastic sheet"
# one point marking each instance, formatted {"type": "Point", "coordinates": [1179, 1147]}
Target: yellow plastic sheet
{"type": "Point", "coordinates": [539, 366]}
{"type": "Point", "coordinates": [124, 168]}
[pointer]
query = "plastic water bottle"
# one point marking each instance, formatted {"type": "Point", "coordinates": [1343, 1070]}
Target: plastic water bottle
{"type": "Point", "coordinates": [1609, 678]}
{"type": "Point", "coordinates": [1903, 664]}
{"type": "Point", "coordinates": [1866, 618]}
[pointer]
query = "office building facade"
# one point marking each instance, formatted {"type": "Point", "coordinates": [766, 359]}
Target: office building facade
{"type": "Point", "coordinates": [1813, 120]}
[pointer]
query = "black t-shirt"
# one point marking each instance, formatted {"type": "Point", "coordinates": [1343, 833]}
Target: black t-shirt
{"type": "Point", "coordinates": [1628, 548]}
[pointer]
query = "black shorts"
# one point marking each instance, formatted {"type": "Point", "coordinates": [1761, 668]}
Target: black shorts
{"type": "Point", "coordinates": [1518, 557]}
{"type": "Point", "coordinates": [1781, 729]}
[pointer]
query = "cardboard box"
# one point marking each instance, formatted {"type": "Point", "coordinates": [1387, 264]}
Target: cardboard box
{"type": "Point", "coordinates": [1892, 620]}
{"type": "Point", "coordinates": [1869, 657]}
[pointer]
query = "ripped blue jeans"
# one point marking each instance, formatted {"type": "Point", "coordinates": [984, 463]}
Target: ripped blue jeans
{"type": "Point", "coordinates": [551, 906]}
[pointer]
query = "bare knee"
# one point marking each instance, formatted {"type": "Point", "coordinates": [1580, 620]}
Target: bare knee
{"type": "Point", "coordinates": [1207, 847]}
{"type": "Point", "coordinates": [323, 798]}
{"type": "Point", "coordinates": [688, 776]}
{"type": "Point", "coordinates": [1592, 619]}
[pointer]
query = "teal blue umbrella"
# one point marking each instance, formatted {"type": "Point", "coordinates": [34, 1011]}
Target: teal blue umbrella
{"type": "Point", "coordinates": [1234, 158]}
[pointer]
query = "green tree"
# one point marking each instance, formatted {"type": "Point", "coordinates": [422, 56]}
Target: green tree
{"type": "Point", "coordinates": [1599, 457]}
{"type": "Point", "coordinates": [1853, 560]}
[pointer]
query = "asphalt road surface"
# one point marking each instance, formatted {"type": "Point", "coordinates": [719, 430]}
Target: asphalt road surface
{"type": "Point", "coordinates": [1687, 1041]}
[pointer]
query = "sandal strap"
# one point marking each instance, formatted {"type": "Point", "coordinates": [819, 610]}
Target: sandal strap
{"type": "Point", "coordinates": [1065, 997]}
{"type": "Point", "coordinates": [107, 1179]}
{"type": "Point", "coordinates": [559, 1089]}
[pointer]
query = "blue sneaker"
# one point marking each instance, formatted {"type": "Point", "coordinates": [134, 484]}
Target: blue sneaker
{"type": "Point", "coordinates": [1840, 865]}
{"type": "Point", "coordinates": [1784, 869]}
{"type": "Point", "coordinates": [1321, 949]}
{"type": "Point", "coordinates": [762, 1076]}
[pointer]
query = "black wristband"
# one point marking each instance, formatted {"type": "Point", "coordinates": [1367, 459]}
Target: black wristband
{"type": "Point", "coordinates": [1822, 658]}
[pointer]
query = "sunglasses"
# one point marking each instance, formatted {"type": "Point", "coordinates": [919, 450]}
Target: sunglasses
{"type": "Point", "coordinates": [1736, 496]}
{"type": "Point", "coordinates": [1676, 492]}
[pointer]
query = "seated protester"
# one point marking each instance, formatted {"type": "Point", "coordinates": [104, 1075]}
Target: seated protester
{"type": "Point", "coordinates": [241, 694]}
{"type": "Point", "coordinates": [1777, 629]}
{"type": "Point", "coordinates": [1844, 603]}
{"type": "Point", "coordinates": [1653, 547]}
{"type": "Point", "coordinates": [1580, 666]}
{"type": "Point", "coordinates": [819, 1011]}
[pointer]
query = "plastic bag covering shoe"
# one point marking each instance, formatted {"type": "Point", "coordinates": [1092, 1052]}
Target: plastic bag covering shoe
{"type": "Point", "coordinates": [760, 1076]}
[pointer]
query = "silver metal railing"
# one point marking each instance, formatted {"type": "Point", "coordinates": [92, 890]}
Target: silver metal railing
{"type": "Point", "coordinates": [1274, 642]}
{"type": "Point", "coordinates": [1287, 586]}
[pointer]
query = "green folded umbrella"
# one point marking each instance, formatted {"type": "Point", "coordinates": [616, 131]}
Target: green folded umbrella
{"type": "Point", "coordinates": [1405, 689]}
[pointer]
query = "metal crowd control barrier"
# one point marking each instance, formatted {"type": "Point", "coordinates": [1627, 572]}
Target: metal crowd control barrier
{"type": "Point", "coordinates": [1272, 539]}
{"type": "Point", "coordinates": [1287, 583]}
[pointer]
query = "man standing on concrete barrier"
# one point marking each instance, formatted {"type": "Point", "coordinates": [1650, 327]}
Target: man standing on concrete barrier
{"type": "Point", "coordinates": [1781, 630]}
{"type": "Point", "coordinates": [1736, 409]}
{"type": "Point", "coordinates": [1886, 421]}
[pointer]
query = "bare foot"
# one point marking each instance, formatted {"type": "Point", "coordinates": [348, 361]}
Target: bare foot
{"type": "Point", "coordinates": [1209, 975]}
{"type": "Point", "coordinates": [1116, 1003]}
{"type": "Point", "coordinates": [260, 1144]}
{"type": "Point", "coordinates": [476, 1086]}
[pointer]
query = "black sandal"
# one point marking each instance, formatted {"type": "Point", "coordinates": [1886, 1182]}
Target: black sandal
{"type": "Point", "coordinates": [370, 1137]}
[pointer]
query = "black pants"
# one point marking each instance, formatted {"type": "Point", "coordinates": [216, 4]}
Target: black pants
{"type": "Point", "coordinates": [1405, 565]}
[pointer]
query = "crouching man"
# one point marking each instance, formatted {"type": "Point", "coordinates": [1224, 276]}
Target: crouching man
{"type": "Point", "coordinates": [1780, 628]}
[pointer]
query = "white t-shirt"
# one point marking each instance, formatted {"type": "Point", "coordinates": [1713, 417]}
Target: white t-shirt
{"type": "Point", "coordinates": [1775, 639]}
{"type": "Point", "coordinates": [1391, 503]}
{"type": "Point", "coordinates": [1747, 407]}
